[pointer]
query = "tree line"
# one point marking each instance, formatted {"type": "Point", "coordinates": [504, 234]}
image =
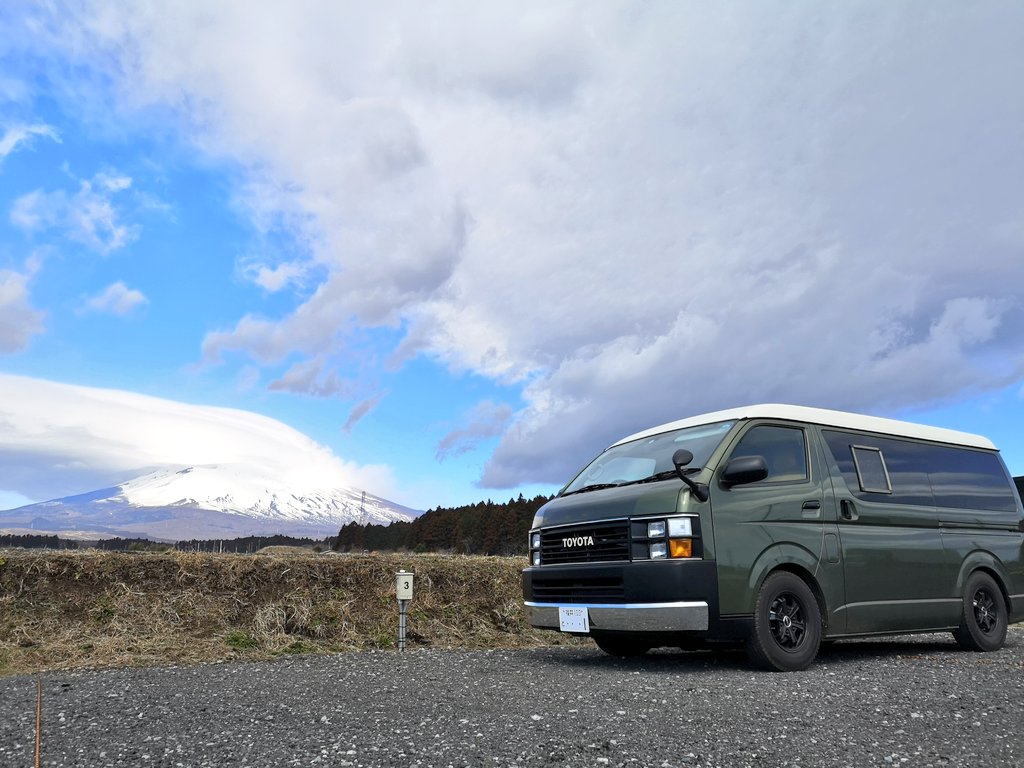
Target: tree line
{"type": "Point", "coordinates": [36, 541]}
{"type": "Point", "coordinates": [246, 544]}
{"type": "Point", "coordinates": [251, 544]}
{"type": "Point", "coordinates": [484, 528]}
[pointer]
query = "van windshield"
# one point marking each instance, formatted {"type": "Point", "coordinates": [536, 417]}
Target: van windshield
{"type": "Point", "coordinates": [649, 458]}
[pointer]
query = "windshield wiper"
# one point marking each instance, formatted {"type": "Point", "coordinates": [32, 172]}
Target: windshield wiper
{"type": "Point", "coordinates": [594, 487]}
{"type": "Point", "coordinates": [666, 475]}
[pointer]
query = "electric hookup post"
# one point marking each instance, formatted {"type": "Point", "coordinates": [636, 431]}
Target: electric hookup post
{"type": "Point", "coordinates": [403, 589]}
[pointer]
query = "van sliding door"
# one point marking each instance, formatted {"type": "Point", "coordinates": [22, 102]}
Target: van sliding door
{"type": "Point", "coordinates": [897, 573]}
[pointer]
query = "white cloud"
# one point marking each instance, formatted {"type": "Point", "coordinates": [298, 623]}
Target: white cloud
{"type": "Point", "coordinates": [88, 216]}
{"type": "Point", "coordinates": [361, 409]}
{"type": "Point", "coordinates": [828, 357]}
{"type": "Point", "coordinates": [19, 321]}
{"type": "Point", "coordinates": [20, 135]}
{"type": "Point", "coordinates": [58, 439]}
{"type": "Point", "coordinates": [485, 421]}
{"type": "Point", "coordinates": [117, 299]}
{"type": "Point", "coordinates": [275, 278]}
{"type": "Point", "coordinates": [638, 212]}
{"type": "Point", "coordinates": [308, 377]}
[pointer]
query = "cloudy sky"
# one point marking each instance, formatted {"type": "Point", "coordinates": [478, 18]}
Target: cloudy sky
{"type": "Point", "coordinates": [463, 246]}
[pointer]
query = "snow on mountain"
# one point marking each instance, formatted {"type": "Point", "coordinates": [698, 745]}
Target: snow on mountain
{"type": "Point", "coordinates": [205, 502]}
{"type": "Point", "coordinates": [245, 491]}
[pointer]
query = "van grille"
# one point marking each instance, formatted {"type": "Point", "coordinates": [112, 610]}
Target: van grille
{"type": "Point", "coordinates": [589, 543]}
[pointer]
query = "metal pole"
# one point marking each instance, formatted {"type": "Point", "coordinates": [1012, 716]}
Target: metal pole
{"type": "Point", "coordinates": [401, 624]}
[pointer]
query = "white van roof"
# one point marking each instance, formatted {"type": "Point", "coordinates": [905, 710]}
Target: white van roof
{"type": "Point", "coordinates": [826, 418]}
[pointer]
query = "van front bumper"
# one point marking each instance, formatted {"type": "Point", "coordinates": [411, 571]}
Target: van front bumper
{"type": "Point", "coordinates": [688, 616]}
{"type": "Point", "coordinates": [660, 596]}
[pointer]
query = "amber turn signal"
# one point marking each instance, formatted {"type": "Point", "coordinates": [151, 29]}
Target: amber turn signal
{"type": "Point", "coordinates": [680, 547]}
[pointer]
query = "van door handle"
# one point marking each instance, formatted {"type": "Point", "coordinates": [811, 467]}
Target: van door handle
{"type": "Point", "coordinates": [847, 510]}
{"type": "Point", "coordinates": [811, 509]}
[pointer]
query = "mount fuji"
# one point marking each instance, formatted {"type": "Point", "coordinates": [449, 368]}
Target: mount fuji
{"type": "Point", "coordinates": [205, 502]}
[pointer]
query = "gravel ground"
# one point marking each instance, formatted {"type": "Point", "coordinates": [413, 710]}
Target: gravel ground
{"type": "Point", "coordinates": [915, 701]}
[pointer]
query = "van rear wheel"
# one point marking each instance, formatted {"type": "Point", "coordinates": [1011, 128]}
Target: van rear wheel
{"type": "Point", "coordinates": [787, 625]}
{"type": "Point", "coordinates": [983, 620]}
{"type": "Point", "coordinates": [621, 646]}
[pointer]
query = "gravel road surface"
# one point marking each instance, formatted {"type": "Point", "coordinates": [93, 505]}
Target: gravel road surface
{"type": "Point", "coordinates": [915, 701]}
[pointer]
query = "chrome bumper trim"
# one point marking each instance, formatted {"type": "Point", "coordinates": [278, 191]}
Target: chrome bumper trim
{"type": "Point", "coordinates": [635, 617]}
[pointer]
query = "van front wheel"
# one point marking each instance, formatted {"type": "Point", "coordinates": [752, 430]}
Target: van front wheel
{"type": "Point", "coordinates": [983, 621]}
{"type": "Point", "coordinates": [787, 625]}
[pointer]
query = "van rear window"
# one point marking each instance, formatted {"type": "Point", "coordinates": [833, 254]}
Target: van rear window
{"type": "Point", "coordinates": [921, 473]}
{"type": "Point", "coordinates": [970, 480]}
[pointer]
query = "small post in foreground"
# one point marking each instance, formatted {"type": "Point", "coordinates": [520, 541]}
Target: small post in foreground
{"type": "Point", "coordinates": [403, 589]}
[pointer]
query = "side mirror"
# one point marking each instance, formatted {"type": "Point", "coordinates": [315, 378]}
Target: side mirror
{"type": "Point", "coordinates": [744, 469]}
{"type": "Point", "coordinates": [681, 458]}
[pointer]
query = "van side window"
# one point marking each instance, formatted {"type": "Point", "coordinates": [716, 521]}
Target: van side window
{"type": "Point", "coordinates": [783, 449]}
{"type": "Point", "coordinates": [964, 479]}
{"type": "Point", "coordinates": [871, 471]}
{"type": "Point", "coordinates": [921, 473]}
{"type": "Point", "coordinates": [906, 464]}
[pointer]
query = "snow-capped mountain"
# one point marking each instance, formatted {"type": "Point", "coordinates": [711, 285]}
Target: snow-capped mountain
{"type": "Point", "coordinates": [205, 502]}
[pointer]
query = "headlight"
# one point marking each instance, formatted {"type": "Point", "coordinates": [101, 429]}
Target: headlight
{"type": "Point", "coordinates": [656, 530]}
{"type": "Point", "coordinates": [535, 541]}
{"type": "Point", "coordinates": [536, 558]}
{"type": "Point", "coordinates": [680, 526]}
{"type": "Point", "coordinates": [672, 537]}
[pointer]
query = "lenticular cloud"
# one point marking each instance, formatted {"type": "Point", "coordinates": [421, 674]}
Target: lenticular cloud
{"type": "Point", "coordinates": [57, 439]}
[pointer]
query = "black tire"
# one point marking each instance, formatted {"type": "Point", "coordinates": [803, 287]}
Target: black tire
{"type": "Point", "coordinates": [983, 619]}
{"type": "Point", "coordinates": [787, 625]}
{"type": "Point", "coordinates": [624, 646]}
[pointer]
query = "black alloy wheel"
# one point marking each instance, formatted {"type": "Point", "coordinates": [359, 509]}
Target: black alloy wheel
{"type": "Point", "coordinates": [983, 619]}
{"type": "Point", "coordinates": [787, 621]}
{"type": "Point", "coordinates": [787, 624]}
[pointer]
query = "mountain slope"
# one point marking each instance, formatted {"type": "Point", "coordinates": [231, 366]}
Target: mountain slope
{"type": "Point", "coordinates": [205, 502]}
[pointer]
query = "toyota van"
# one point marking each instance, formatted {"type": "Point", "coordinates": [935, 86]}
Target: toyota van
{"type": "Point", "coordinates": [781, 527]}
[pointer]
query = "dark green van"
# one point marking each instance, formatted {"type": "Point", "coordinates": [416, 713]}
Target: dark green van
{"type": "Point", "coordinates": [780, 526]}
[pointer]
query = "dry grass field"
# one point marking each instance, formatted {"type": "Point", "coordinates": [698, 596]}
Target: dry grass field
{"type": "Point", "coordinates": [63, 610]}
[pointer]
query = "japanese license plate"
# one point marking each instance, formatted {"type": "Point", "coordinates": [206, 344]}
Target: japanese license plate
{"type": "Point", "coordinates": [573, 619]}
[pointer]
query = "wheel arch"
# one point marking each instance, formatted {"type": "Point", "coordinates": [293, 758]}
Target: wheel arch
{"type": "Point", "coordinates": [985, 562]}
{"type": "Point", "coordinates": [801, 562]}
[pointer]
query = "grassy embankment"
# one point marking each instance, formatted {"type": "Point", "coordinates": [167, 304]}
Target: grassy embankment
{"type": "Point", "coordinates": [64, 610]}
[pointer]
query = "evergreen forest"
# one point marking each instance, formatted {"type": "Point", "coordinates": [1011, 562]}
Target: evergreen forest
{"type": "Point", "coordinates": [484, 528]}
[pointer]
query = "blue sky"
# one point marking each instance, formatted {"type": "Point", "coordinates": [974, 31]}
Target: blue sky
{"type": "Point", "coordinates": [466, 247]}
